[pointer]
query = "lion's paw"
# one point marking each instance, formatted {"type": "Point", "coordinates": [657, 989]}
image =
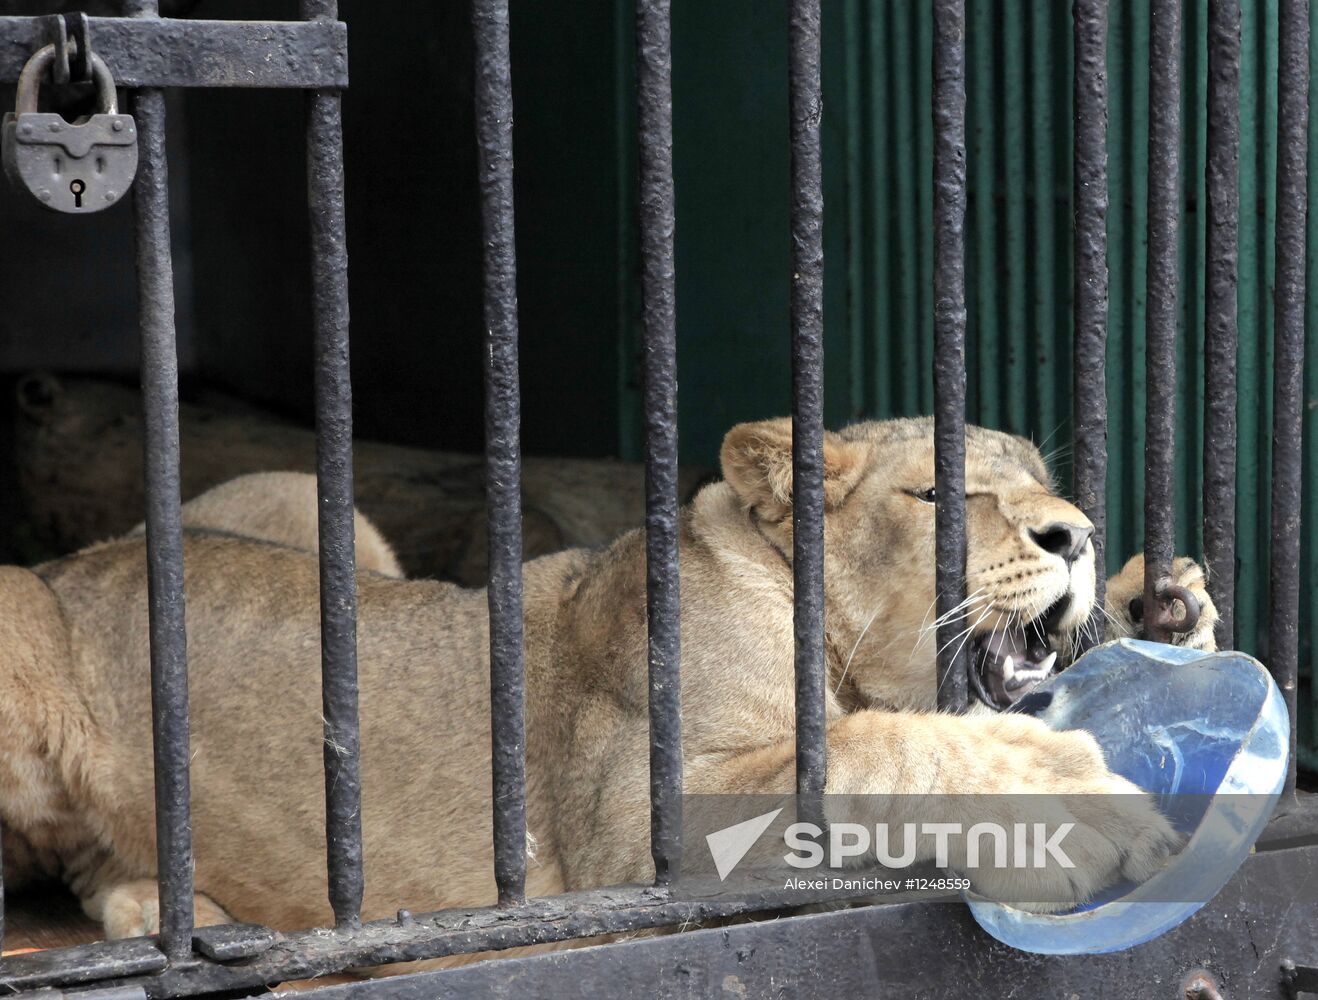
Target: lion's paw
{"type": "Point", "coordinates": [1116, 832]}
{"type": "Point", "coordinates": [132, 909]}
{"type": "Point", "coordinates": [1125, 603]}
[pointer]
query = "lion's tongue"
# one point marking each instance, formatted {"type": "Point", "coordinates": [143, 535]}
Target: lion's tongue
{"type": "Point", "coordinates": [1014, 663]}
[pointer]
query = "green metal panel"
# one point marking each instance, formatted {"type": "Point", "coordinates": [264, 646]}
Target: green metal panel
{"type": "Point", "coordinates": [1308, 750]}
{"type": "Point", "coordinates": [732, 244]}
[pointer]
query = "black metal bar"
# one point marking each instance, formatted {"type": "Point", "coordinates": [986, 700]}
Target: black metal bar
{"type": "Point", "coordinates": [306, 954]}
{"type": "Point", "coordinates": [949, 111]}
{"type": "Point", "coordinates": [164, 524]}
{"type": "Point", "coordinates": [1221, 331]}
{"type": "Point", "coordinates": [1160, 316]}
{"type": "Point", "coordinates": [807, 214]}
{"type": "Point", "coordinates": [1089, 168]}
{"type": "Point", "coordinates": [187, 53]}
{"type": "Point", "coordinates": [1288, 351]}
{"type": "Point", "coordinates": [654, 89]}
{"type": "Point", "coordinates": [81, 964]}
{"type": "Point", "coordinates": [1272, 893]}
{"type": "Point", "coordinates": [338, 577]}
{"type": "Point", "coordinates": [503, 450]}
{"type": "Point", "coordinates": [841, 963]}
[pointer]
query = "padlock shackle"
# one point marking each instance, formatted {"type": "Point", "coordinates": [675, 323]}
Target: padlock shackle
{"type": "Point", "coordinates": [29, 82]}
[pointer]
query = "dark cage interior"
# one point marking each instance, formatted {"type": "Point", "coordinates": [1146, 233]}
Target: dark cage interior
{"type": "Point", "coordinates": [1010, 214]}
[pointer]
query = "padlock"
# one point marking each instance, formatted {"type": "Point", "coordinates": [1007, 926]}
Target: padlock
{"type": "Point", "coordinates": [81, 166]}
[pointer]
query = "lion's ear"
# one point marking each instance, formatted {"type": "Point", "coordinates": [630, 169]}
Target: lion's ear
{"type": "Point", "coordinates": [757, 462]}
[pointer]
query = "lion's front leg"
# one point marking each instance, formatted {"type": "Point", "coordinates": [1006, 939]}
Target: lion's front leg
{"type": "Point", "coordinates": [1009, 770]}
{"type": "Point", "coordinates": [1125, 600]}
{"type": "Point", "coordinates": [132, 909]}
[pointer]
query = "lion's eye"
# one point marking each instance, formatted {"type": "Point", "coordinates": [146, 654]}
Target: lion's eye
{"type": "Point", "coordinates": [926, 495]}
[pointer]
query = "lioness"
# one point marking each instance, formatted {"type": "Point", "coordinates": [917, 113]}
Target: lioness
{"type": "Point", "coordinates": [78, 452]}
{"type": "Point", "coordinates": [280, 507]}
{"type": "Point", "coordinates": [75, 746]}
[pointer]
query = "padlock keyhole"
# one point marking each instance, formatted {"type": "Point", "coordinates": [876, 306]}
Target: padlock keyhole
{"type": "Point", "coordinates": [77, 187]}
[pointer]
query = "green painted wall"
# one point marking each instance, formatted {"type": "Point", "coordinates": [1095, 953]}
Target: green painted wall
{"type": "Point", "coordinates": [732, 244]}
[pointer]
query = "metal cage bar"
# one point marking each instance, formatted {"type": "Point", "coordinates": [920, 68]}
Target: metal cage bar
{"type": "Point", "coordinates": [170, 52]}
{"type": "Point", "coordinates": [503, 449]}
{"type": "Point", "coordinates": [1160, 336]}
{"type": "Point", "coordinates": [1221, 326]}
{"type": "Point", "coordinates": [657, 219]}
{"type": "Point", "coordinates": [949, 111]}
{"type": "Point", "coordinates": [164, 520]}
{"type": "Point", "coordinates": [338, 576]}
{"type": "Point", "coordinates": [308, 954]}
{"type": "Point", "coordinates": [1089, 167]}
{"type": "Point", "coordinates": [1288, 352]}
{"type": "Point", "coordinates": [807, 309]}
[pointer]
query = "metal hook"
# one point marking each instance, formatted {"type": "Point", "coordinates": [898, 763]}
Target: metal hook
{"type": "Point", "coordinates": [1163, 617]}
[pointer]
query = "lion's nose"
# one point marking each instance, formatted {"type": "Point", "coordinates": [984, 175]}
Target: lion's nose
{"type": "Point", "coordinates": [1062, 539]}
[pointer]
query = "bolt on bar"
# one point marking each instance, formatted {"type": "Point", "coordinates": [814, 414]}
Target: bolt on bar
{"type": "Point", "coordinates": [503, 449]}
{"type": "Point", "coordinates": [338, 576]}
{"type": "Point", "coordinates": [1089, 166]}
{"type": "Point", "coordinates": [949, 111]}
{"type": "Point", "coordinates": [807, 215]}
{"type": "Point", "coordinates": [164, 522]}
{"type": "Point", "coordinates": [1160, 335]}
{"type": "Point", "coordinates": [1221, 330]}
{"type": "Point", "coordinates": [654, 88]}
{"type": "Point", "coordinates": [1288, 351]}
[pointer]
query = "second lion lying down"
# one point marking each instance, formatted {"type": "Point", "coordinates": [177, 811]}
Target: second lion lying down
{"type": "Point", "coordinates": [75, 730]}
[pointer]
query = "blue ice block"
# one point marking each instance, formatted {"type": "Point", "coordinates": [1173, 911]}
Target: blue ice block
{"type": "Point", "coordinates": [1208, 735]}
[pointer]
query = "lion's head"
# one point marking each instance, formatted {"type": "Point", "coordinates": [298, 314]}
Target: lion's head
{"type": "Point", "coordinates": [1030, 565]}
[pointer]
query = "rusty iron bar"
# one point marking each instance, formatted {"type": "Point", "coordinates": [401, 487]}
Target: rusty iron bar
{"type": "Point", "coordinates": [657, 220]}
{"type": "Point", "coordinates": [338, 570]}
{"type": "Point", "coordinates": [949, 114]}
{"type": "Point", "coordinates": [1089, 166]}
{"type": "Point", "coordinates": [1160, 336]}
{"type": "Point", "coordinates": [1221, 329]}
{"type": "Point", "coordinates": [503, 449]}
{"type": "Point", "coordinates": [1288, 353]}
{"type": "Point", "coordinates": [182, 52]}
{"type": "Point", "coordinates": [807, 309]}
{"type": "Point", "coordinates": [164, 521]}
{"type": "Point", "coordinates": [1264, 890]}
{"type": "Point", "coordinates": [622, 909]}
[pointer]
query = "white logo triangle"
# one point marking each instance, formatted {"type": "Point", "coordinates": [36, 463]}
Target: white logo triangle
{"type": "Point", "coordinates": [729, 845]}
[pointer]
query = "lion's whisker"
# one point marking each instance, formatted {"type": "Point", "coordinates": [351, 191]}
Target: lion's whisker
{"type": "Point", "coordinates": [967, 604]}
{"type": "Point", "coordinates": [964, 636]}
{"type": "Point", "coordinates": [1051, 434]}
{"type": "Point", "coordinates": [855, 646]}
{"type": "Point", "coordinates": [962, 632]}
{"type": "Point", "coordinates": [947, 616]}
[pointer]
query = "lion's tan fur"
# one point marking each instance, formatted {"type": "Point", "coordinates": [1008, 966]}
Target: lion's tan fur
{"type": "Point", "coordinates": [75, 746]}
{"type": "Point", "coordinates": [281, 507]}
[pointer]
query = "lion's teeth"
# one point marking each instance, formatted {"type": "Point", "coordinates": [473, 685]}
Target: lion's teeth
{"type": "Point", "coordinates": [1008, 669]}
{"type": "Point", "coordinates": [1046, 664]}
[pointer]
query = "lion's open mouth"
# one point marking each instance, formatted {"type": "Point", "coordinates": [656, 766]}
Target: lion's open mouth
{"type": "Point", "coordinates": [1009, 662]}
